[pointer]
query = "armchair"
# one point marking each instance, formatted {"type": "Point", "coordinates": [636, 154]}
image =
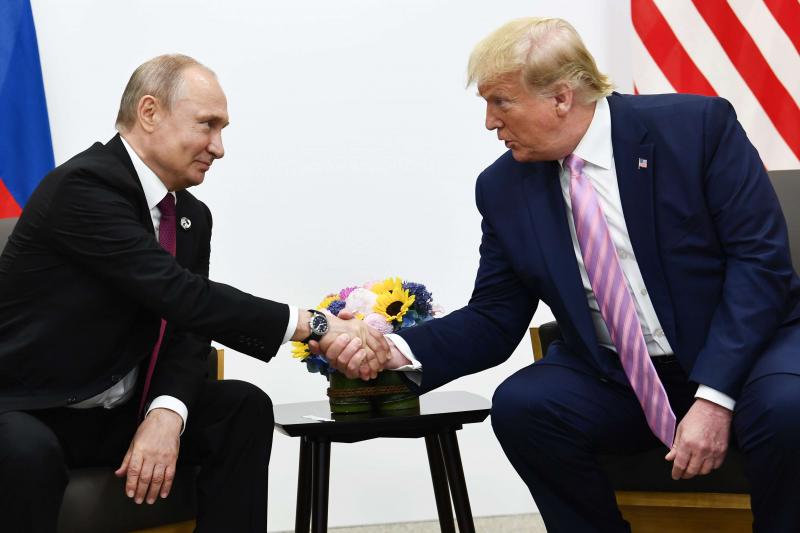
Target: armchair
{"type": "Point", "coordinates": [648, 497]}
{"type": "Point", "coordinates": [94, 500]}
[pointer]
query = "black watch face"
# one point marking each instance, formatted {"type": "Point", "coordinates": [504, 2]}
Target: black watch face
{"type": "Point", "coordinates": [319, 325]}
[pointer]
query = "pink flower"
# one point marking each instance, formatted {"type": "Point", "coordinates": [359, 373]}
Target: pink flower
{"type": "Point", "coordinates": [344, 293]}
{"type": "Point", "coordinates": [361, 300]}
{"type": "Point", "coordinates": [378, 322]}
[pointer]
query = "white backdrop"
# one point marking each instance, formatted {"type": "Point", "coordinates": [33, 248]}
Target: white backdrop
{"type": "Point", "coordinates": [351, 155]}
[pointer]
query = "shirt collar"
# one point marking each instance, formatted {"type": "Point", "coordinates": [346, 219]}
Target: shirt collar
{"type": "Point", "coordinates": [595, 146]}
{"type": "Point", "coordinates": [154, 189]}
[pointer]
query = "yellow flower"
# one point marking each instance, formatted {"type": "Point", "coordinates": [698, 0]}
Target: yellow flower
{"type": "Point", "coordinates": [300, 350]}
{"type": "Point", "coordinates": [327, 301]}
{"type": "Point", "coordinates": [386, 285]}
{"type": "Point", "coordinates": [394, 301]}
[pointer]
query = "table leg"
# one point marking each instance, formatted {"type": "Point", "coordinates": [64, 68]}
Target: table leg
{"type": "Point", "coordinates": [302, 517]}
{"type": "Point", "coordinates": [441, 490]}
{"type": "Point", "coordinates": [458, 486]}
{"type": "Point", "coordinates": [321, 456]}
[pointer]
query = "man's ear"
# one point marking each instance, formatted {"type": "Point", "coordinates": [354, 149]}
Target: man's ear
{"type": "Point", "coordinates": [564, 98]}
{"type": "Point", "coordinates": [148, 113]}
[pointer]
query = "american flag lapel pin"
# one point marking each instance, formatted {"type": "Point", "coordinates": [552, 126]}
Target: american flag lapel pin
{"type": "Point", "coordinates": [642, 163]}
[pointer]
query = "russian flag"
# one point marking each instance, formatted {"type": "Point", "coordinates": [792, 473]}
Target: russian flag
{"type": "Point", "coordinates": [26, 150]}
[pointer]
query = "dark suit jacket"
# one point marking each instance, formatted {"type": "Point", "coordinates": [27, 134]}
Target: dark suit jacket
{"type": "Point", "coordinates": [84, 282]}
{"type": "Point", "coordinates": [706, 228]}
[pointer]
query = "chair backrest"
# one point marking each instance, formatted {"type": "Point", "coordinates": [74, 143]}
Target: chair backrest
{"type": "Point", "coordinates": [787, 187]}
{"type": "Point", "coordinates": [6, 227]}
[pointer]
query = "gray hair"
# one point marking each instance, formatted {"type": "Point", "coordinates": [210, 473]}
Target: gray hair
{"type": "Point", "coordinates": [160, 77]}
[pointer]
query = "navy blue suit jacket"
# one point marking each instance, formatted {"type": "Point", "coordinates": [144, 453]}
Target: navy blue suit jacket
{"type": "Point", "coordinates": [705, 225]}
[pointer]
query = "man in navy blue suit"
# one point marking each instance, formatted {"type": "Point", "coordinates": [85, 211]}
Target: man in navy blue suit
{"type": "Point", "coordinates": [702, 246]}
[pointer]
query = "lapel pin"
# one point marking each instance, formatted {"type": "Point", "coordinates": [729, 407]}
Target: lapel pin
{"type": "Point", "coordinates": [642, 163]}
{"type": "Point", "coordinates": [186, 223]}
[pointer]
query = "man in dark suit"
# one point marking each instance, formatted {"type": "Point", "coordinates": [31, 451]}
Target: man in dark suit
{"type": "Point", "coordinates": [106, 313]}
{"type": "Point", "coordinates": [649, 227]}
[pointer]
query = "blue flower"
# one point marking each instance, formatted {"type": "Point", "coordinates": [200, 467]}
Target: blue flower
{"type": "Point", "coordinates": [408, 321]}
{"type": "Point", "coordinates": [336, 306]}
{"type": "Point", "coordinates": [423, 300]}
{"type": "Point", "coordinates": [317, 364]}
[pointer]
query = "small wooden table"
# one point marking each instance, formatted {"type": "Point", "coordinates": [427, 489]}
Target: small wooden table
{"type": "Point", "coordinates": [441, 414]}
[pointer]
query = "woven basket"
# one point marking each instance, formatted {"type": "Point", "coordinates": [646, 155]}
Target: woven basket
{"type": "Point", "coordinates": [386, 393]}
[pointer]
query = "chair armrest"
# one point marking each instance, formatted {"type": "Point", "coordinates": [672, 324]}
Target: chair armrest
{"type": "Point", "coordinates": [542, 336]}
{"type": "Point", "coordinates": [216, 364]}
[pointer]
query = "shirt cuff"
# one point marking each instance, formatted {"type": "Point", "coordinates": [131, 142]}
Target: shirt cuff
{"type": "Point", "coordinates": [413, 371]}
{"type": "Point", "coordinates": [712, 395]}
{"type": "Point", "coordinates": [291, 327]}
{"type": "Point", "coordinates": [173, 404]}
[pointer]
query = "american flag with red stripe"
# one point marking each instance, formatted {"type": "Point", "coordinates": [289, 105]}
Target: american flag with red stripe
{"type": "Point", "coordinates": [747, 51]}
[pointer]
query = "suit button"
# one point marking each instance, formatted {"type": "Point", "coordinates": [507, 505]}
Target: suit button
{"type": "Point", "coordinates": [72, 399]}
{"type": "Point", "coordinates": [115, 378]}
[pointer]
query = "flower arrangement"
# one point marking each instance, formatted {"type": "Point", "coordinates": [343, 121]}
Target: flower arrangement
{"type": "Point", "coordinates": [387, 306]}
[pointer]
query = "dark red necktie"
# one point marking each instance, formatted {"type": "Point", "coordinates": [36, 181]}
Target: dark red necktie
{"type": "Point", "coordinates": [166, 237]}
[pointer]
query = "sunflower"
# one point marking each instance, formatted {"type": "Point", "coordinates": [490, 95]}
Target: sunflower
{"type": "Point", "coordinates": [327, 301]}
{"type": "Point", "coordinates": [300, 350]}
{"type": "Point", "coordinates": [379, 287]}
{"type": "Point", "coordinates": [393, 303]}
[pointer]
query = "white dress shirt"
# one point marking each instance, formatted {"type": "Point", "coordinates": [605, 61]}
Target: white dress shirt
{"type": "Point", "coordinates": [596, 150]}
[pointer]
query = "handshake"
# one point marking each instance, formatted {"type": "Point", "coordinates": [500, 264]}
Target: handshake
{"type": "Point", "coordinates": [355, 349]}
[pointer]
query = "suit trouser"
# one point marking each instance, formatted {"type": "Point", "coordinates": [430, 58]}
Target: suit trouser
{"type": "Point", "coordinates": [228, 434]}
{"type": "Point", "coordinates": [553, 421]}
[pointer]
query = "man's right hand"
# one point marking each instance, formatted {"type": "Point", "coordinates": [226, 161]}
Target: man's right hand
{"type": "Point", "coordinates": [353, 348]}
{"type": "Point", "coordinates": [343, 349]}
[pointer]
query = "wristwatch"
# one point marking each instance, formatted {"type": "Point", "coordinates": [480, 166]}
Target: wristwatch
{"type": "Point", "coordinates": [318, 324]}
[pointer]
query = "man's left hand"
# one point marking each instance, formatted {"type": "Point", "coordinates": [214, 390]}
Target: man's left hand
{"type": "Point", "coordinates": [701, 440]}
{"type": "Point", "coordinates": [149, 465]}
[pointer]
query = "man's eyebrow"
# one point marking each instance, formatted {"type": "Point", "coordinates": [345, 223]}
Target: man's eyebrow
{"type": "Point", "coordinates": [214, 118]}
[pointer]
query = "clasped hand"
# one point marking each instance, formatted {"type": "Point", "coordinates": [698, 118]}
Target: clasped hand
{"type": "Point", "coordinates": [353, 348]}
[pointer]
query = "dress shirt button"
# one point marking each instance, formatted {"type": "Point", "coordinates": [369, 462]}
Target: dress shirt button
{"type": "Point", "coordinates": [659, 332]}
{"type": "Point", "coordinates": [623, 254]}
{"type": "Point", "coordinates": [643, 292]}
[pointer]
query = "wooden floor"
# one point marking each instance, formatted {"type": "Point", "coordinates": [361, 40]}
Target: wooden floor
{"type": "Point", "coordinates": [528, 523]}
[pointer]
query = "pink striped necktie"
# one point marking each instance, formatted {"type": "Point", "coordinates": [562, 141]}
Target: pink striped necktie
{"type": "Point", "coordinates": [616, 303]}
{"type": "Point", "coordinates": [166, 237]}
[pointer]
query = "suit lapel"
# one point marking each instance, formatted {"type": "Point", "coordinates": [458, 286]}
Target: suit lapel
{"type": "Point", "coordinates": [635, 165]}
{"type": "Point", "coordinates": [542, 191]}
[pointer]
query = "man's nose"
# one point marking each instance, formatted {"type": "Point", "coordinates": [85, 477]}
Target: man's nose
{"type": "Point", "coordinates": [492, 122]}
{"type": "Point", "coordinates": [215, 147]}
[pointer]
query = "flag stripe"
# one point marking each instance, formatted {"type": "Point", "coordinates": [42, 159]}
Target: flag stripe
{"type": "Point", "coordinates": [772, 42]}
{"type": "Point", "coordinates": [787, 14]}
{"type": "Point", "coordinates": [8, 206]}
{"type": "Point", "coordinates": [648, 78]}
{"type": "Point", "coordinates": [708, 55]}
{"type": "Point", "coordinates": [748, 60]}
{"type": "Point", "coordinates": [666, 50]}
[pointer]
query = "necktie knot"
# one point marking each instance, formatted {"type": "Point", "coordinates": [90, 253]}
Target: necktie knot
{"type": "Point", "coordinates": [575, 165]}
{"type": "Point", "coordinates": [167, 206]}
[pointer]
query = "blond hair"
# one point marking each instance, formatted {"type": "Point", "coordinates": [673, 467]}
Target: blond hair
{"type": "Point", "coordinates": [547, 52]}
{"type": "Point", "coordinates": [160, 77]}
